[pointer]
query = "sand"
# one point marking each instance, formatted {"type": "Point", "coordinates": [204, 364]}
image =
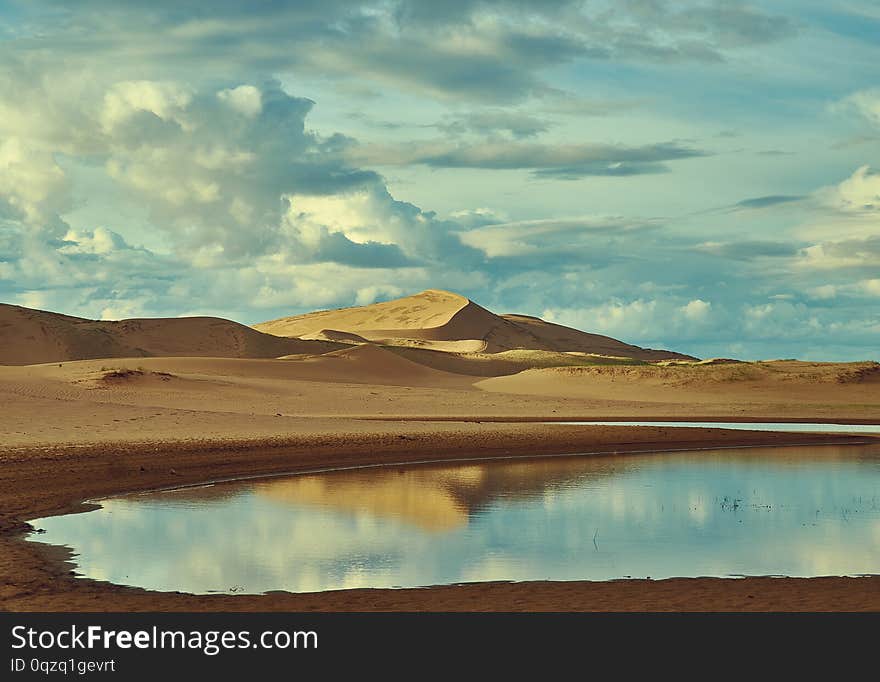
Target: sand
{"type": "Point", "coordinates": [34, 336]}
{"type": "Point", "coordinates": [75, 429]}
{"type": "Point", "coordinates": [444, 321]}
{"type": "Point", "coordinates": [54, 479]}
{"type": "Point", "coordinates": [95, 427]}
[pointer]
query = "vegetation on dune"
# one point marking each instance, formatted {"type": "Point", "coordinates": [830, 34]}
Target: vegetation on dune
{"type": "Point", "coordinates": [540, 359]}
{"type": "Point", "coordinates": [684, 373]}
{"type": "Point", "coordinates": [123, 373]}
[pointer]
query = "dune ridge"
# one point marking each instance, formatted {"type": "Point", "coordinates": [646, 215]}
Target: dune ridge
{"type": "Point", "coordinates": [30, 336]}
{"type": "Point", "coordinates": [431, 321]}
{"type": "Point", "coordinates": [442, 320]}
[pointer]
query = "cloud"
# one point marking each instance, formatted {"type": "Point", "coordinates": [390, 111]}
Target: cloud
{"type": "Point", "coordinates": [851, 24]}
{"type": "Point", "coordinates": [246, 99]}
{"type": "Point", "coordinates": [540, 238]}
{"type": "Point", "coordinates": [849, 210]}
{"type": "Point", "coordinates": [156, 160]}
{"type": "Point", "coordinates": [33, 187]}
{"type": "Point", "coordinates": [748, 250]}
{"type": "Point", "coordinates": [647, 321]}
{"type": "Point", "coordinates": [494, 122]}
{"type": "Point", "coordinates": [844, 254]}
{"type": "Point", "coordinates": [863, 288]}
{"type": "Point", "coordinates": [231, 185]}
{"type": "Point", "coordinates": [489, 50]}
{"type": "Point", "coordinates": [865, 103]}
{"type": "Point", "coordinates": [697, 310]}
{"type": "Point", "coordinates": [860, 193]}
{"type": "Point", "coordinates": [568, 161]}
{"type": "Point", "coordinates": [99, 241]}
{"type": "Point", "coordinates": [370, 220]}
{"type": "Point", "coordinates": [768, 201]}
{"type": "Point", "coordinates": [123, 101]}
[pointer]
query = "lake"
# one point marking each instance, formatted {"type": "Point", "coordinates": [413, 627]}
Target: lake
{"type": "Point", "coordinates": [793, 511]}
{"type": "Point", "coordinates": [788, 427]}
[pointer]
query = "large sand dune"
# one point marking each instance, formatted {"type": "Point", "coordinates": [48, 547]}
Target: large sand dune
{"type": "Point", "coordinates": [441, 320]}
{"type": "Point", "coordinates": [439, 329]}
{"type": "Point", "coordinates": [35, 336]}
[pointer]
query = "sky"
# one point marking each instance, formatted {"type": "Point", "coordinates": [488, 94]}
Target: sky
{"type": "Point", "coordinates": [698, 175]}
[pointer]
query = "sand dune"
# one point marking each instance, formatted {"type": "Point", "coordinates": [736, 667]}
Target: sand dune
{"type": "Point", "coordinates": [34, 336]}
{"type": "Point", "coordinates": [441, 320]}
{"type": "Point", "coordinates": [334, 335]}
{"type": "Point", "coordinates": [786, 381]}
{"type": "Point", "coordinates": [555, 337]}
{"type": "Point", "coordinates": [369, 363]}
{"type": "Point", "coordinates": [503, 363]}
{"type": "Point", "coordinates": [363, 364]}
{"type": "Point", "coordinates": [430, 321]}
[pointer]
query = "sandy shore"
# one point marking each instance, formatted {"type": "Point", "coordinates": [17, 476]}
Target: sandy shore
{"type": "Point", "coordinates": [45, 479]}
{"type": "Point", "coordinates": [79, 430]}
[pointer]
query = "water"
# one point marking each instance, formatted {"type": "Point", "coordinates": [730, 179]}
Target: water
{"type": "Point", "coordinates": [796, 511]}
{"type": "Point", "coordinates": [792, 427]}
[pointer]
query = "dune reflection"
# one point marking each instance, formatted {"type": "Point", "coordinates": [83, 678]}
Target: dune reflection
{"type": "Point", "coordinates": [412, 496]}
{"type": "Point", "coordinates": [433, 498]}
{"type": "Point", "coordinates": [797, 512]}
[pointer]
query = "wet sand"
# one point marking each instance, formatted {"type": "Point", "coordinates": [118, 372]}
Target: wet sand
{"type": "Point", "coordinates": [43, 478]}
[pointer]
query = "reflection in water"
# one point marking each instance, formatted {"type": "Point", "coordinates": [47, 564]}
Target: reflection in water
{"type": "Point", "coordinates": [800, 511]}
{"type": "Point", "coordinates": [791, 427]}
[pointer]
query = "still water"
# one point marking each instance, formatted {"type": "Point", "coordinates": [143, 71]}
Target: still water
{"type": "Point", "coordinates": [791, 427]}
{"type": "Point", "coordinates": [796, 511]}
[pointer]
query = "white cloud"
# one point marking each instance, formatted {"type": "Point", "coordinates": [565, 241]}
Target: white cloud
{"type": "Point", "coordinates": [133, 307]}
{"type": "Point", "coordinates": [866, 103]}
{"type": "Point", "coordinates": [825, 292]}
{"type": "Point", "coordinates": [697, 310]}
{"type": "Point", "coordinates": [859, 193]}
{"type": "Point", "coordinates": [32, 184]}
{"type": "Point", "coordinates": [168, 101]}
{"type": "Point", "coordinates": [544, 236]}
{"type": "Point", "coordinates": [839, 255]}
{"type": "Point", "coordinates": [371, 294]}
{"type": "Point", "coordinates": [870, 286]}
{"type": "Point", "coordinates": [99, 241]}
{"type": "Point", "coordinates": [245, 99]}
{"type": "Point", "coordinates": [627, 320]}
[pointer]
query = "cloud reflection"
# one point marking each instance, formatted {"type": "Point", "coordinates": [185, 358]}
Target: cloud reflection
{"type": "Point", "coordinates": [787, 511]}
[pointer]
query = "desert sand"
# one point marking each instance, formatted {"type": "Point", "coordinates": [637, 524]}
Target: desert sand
{"type": "Point", "coordinates": [32, 336]}
{"type": "Point", "coordinates": [186, 400]}
{"type": "Point", "coordinates": [445, 321]}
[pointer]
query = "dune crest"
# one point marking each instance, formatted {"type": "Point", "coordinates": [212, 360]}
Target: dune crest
{"type": "Point", "coordinates": [431, 321]}
{"type": "Point", "coordinates": [30, 336]}
{"type": "Point", "coordinates": [371, 364]}
{"type": "Point", "coordinates": [445, 321]}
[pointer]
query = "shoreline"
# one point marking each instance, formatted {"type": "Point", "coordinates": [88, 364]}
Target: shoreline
{"type": "Point", "coordinates": [38, 577]}
{"type": "Point", "coordinates": [461, 460]}
{"type": "Point", "coordinates": [636, 422]}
